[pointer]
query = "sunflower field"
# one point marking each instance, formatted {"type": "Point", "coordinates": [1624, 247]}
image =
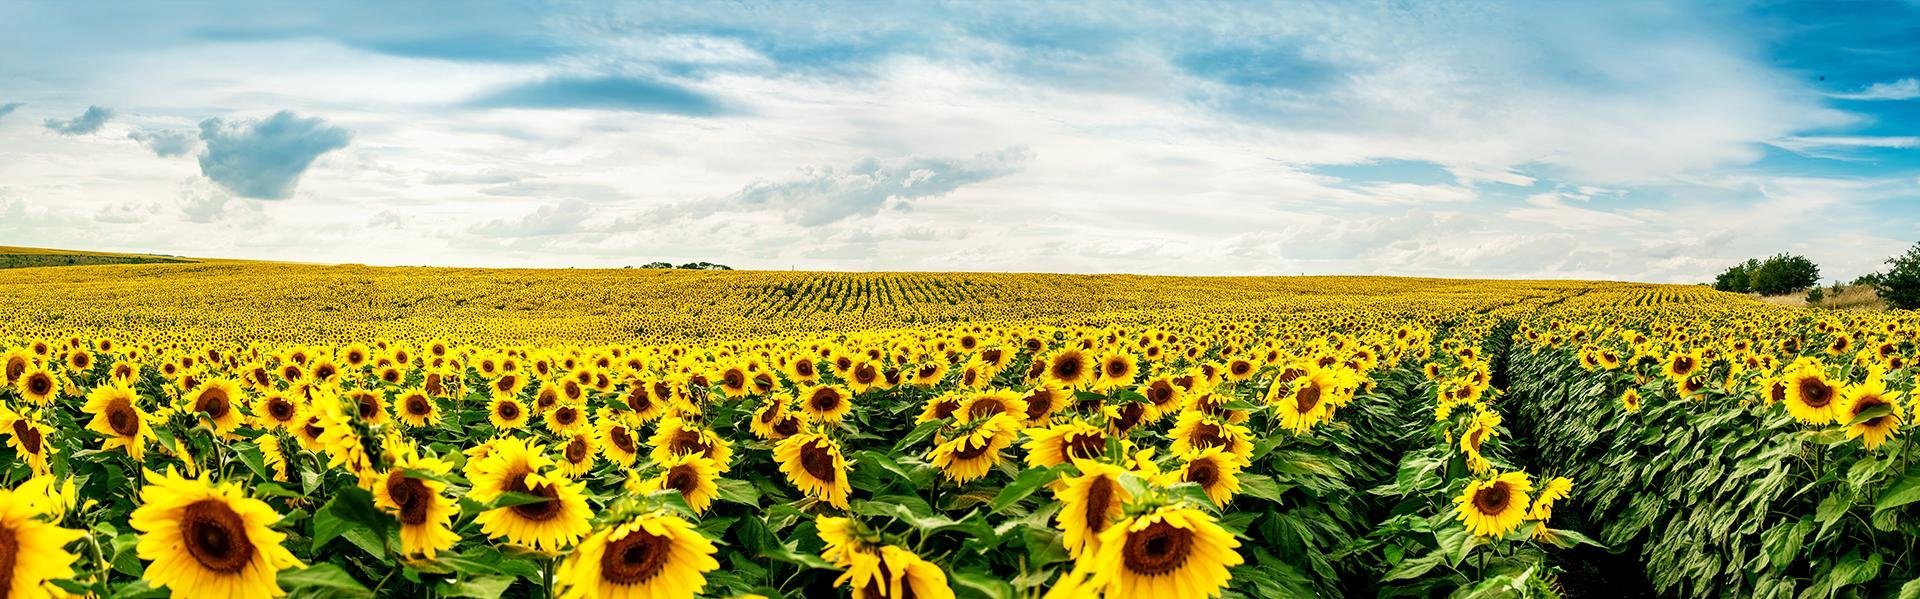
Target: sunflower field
{"type": "Point", "coordinates": [238, 429]}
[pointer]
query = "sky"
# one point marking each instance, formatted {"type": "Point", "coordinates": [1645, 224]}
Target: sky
{"type": "Point", "coordinates": [1649, 141]}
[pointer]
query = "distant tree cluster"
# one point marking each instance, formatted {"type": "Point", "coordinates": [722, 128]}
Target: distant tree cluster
{"type": "Point", "coordinates": [1778, 275]}
{"type": "Point", "coordinates": [1900, 285]}
{"type": "Point", "coordinates": [687, 266]}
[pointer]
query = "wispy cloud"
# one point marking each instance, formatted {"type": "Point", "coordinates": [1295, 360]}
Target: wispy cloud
{"type": "Point", "coordinates": [636, 94]}
{"type": "Point", "coordinates": [87, 123]}
{"type": "Point", "coordinates": [8, 108]}
{"type": "Point", "coordinates": [1902, 89]}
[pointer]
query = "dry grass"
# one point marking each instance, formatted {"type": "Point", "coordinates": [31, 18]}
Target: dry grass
{"type": "Point", "coordinates": [1851, 297]}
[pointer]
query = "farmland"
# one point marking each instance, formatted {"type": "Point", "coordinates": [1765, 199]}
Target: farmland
{"type": "Point", "coordinates": [233, 428]}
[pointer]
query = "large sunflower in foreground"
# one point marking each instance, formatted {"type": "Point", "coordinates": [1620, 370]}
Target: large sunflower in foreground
{"type": "Point", "coordinates": [656, 555]}
{"type": "Point", "coordinates": [1858, 399]}
{"type": "Point", "coordinates": [1811, 397]}
{"type": "Point", "coordinates": [894, 573]}
{"type": "Point", "coordinates": [1088, 504]}
{"type": "Point", "coordinates": [32, 551]}
{"type": "Point", "coordinates": [425, 512]}
{"type": "Point", "coordinates": [208, 540]}
{"type": "Point", "coordinates": [814, 464]}
{"type": "Point", "coordinates": [515, 466]}
{"type": "Point", "coordinates": [117, 414]}
{"type": "Point", "coordinates": [1496, 506]}
{"type": "Point", "coordinates": [217, 400]}
{"type": "Point", "coordinates": [1172, 551]}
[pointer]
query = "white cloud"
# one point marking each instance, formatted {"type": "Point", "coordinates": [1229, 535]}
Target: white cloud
{"type": "Point", "coordinates": [1900, 89]}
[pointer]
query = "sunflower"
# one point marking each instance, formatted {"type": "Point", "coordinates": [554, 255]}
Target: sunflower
{"type": "Point", "coordinates": [1864, 396]}
{"type": "Point", "coordinates": [27, 438]}
{"type": "Point", "coordinates": [276, 411]}
{"type": "Point", "coordinates": [978, 405]}
{"type": "Point", "coordinates": [1042, 402]}
{"type": "Point", "coordinates": [34, 550]}
{"type": "Point", "coordinates": [417, 408]}
{"type": "Point", "coordinates": [1304, 399]}
{"type": "Point", "coordinates": [14, 363]}
{"type": "Point", "coordinates": [1117, 369]}
{"type": "Point", "coordinates": [207, 540]}
{"type": "Point", "coordinates": [1811, 397]}
{"type": "Point", "coordinates": [1088, 504]}
{"type": "Point", "coordinates": [516, 466]}
{"type": "Point", "coordinates": [641, 398]}
{"type": "Point", "coordinates": [618, 443]}
{"type": "Point", "coordinates": [1195, 430]}
{"type": "Point", "coordinates": [1679, 366]}
{"type": "Point", "coordinates": [117, 414]}
{"type": "Point", "coordinates": [37, 385]}
{"type": "Point", "coordinates": [894, 573]}
{"type": "Point", "coordinates": [694, 476]}
{"type": "Point", "coordinates": [1555, 489]}
{"type": "Point", "coordinates": [774, 420]}
{"type": "Point", "coordinates": [1063, 443]}
{"type": "Point", "coordinates": [814, 464]}
{"type": "Point", "coordinates": [1631, 399]}
{"type": "Point", "coordinates": [939, 407]}
{"type": "Point", "coordinates": [579, 455]}
{"type": "Point", "coordinates": [655, 555]}
{"type": "Point", "coordinates": [825, 403]}
{"type": "Point", "coordinates": [1163, 396]}
{"type": "Point", "coordinates": [420, 503]}
{"type": "Point", "coordinates": [566, 418]}
{"type": "Point", "coordinates": [273, 455]}
{"type": "Point", "coordinates": [1069, 369]}
{"type": "Point", "coordinates": [679, 437]}
{"type": "Point", "coordinates": [1216, 471]}
{"type": "Point", "coordinates": [1172, 551]}
{"type": "Point", "coordinates": [215, 400]}
{"type": "Point", "coordinates": [1495, 506]}
{"type": "Point", "coordinates": [970, 455]}
{"type": "Point", "coordinates": [506, 413]}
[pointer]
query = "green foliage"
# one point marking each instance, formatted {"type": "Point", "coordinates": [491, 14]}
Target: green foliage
{"type": "Point", "coordinates": [1900, 285]}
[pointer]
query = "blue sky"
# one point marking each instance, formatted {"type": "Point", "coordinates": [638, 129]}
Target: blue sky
{"type": "Point", "coordinates": [1646, 141]}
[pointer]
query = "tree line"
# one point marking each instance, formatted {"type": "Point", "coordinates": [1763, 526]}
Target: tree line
{"type": "Point", "coordinates": [1782, 274]}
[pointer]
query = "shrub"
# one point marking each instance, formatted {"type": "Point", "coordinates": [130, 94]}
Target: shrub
{"type": "Point", "coordinates": [1815, 295]}
{"type": "Point", "coordinates": [1782, 274]}
{"type": "Point", "coordinates": [1900, 285]}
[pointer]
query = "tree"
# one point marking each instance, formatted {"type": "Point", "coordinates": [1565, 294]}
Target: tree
{"type": "Point", "coordinates": [1736, 278]}
{"type": "Point", "coordinates": [1783, 274]}
{"type": "Point", "coordinates": [1814, 296]}
{"type": "Point", "coordinates": [1900, 285]}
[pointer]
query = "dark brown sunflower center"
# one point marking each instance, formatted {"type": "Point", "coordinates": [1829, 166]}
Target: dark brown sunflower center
{"type": "Point", "coordinates": [9, 556]}
{"type": "Point", "coordinates": [1204, 473]}
{"type": "Point", "coordinates": [368, 405]}
{"type": "Point", "coordinates": [280, 409]}
{"type": "Point", "coordinates": [1160, 392]}
{"type": "Point", "coordinates": [1158, 549]}
{"type": "Point", "coordinates": [28, 435]}
{"type": "Point", "coordinates": [638, 401]}
{"type": "Point", "coordinates": [419, 405]}
{"type": "Point", "coordinates": [216, 536]}
{"type": "Point", "coordinates": [1207, 434]}
{"type": "Point", "coordinates": [1130, 416]}
{"type": "Point", "coordinates": [577, 449]}
{"type": "Point", "coordinates": [1099, 503]}
{"type": "Point", "coordinates": [1118, 368]}
{"type": "Point", "coordinates": [566, 415]}
{"type": "Point", "coordinates": [122, 419]}
{"type": "Point", "coordinates": [683, 478]}
{"type": "Point", "coordinates": [1815, 393]}
{"type": "Point", "coordinates": [1240, 368]}
{"type": "Point", "coordinates": [1859, 406]}
{"type": "Point", "coordinates": [817, 459]}
{"type": "Point", "coordinates": [865, 373]}
{"type": "Point", "coordinates": [1039, 404]}
{"type": "Point", "coordinates": [213, 402]}
{"type": "Point", "coordinates": [636, 558]}
{"type": "Point", "coordinates": [1085, 446]}
{"type": "Point", "coordinates": [803, 368]}
{"type": "Point", "coordinates": [507, 410]}
{"type": "Point", "coordinates": [687, 441]}
{"type": "Point", "coordinates": [985, 406]}
{"type": "Point", "coordinates": [1068, 367]}
{"type": "Point", "coordinates": [1306, 399]}
{"type": "Point", "coordinates": [970, 450]}
{"type": "Point", "coordinates": [539, 510]}
{"type": "Point", "coordinates": [1493, 499]}
{"type": "Point", "coordinates": [824, 400]}
{"type": "Point", "coordinates": [40, 384]}
{"type": "Point", "coordinates": [15, 368]}
{"type": "Point", "coordinates": [734, 379]}
{"type": "Point", "coordinates": [787, 426]}
{"type": "Point", "coordinates": [621, 438]}
{"type": "Point", "coordinates": [944, 408]}
{"type": "Point", "coordinates": [412, 495]}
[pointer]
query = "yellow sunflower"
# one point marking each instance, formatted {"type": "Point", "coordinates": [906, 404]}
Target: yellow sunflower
{"type": "Point", "coordinates": [28, 438]}
{"type": "Point", "coordinates": [1495, 506]}
{"type": "Point", "coordinates": [971, 455]}
{"type": "Point", "coordinates": [655, 555]}
{"type": "Point", "coordinates": [578, 455]}
{"type": "Point", "coordinates": [1875, 430]}
{"type": "Point", "coordinates": [116, 413]}
{"type": "Point", "coordinates": [276, 411]}
{"type": "Point", "coordinates": [421, 504]}
{"type": "Point", "coordinates": [1088, 504]}
{"type": "Point", "coordinates": [37, 385]}
{"type": "Point", "coordinates": [566, 418]}
{"type": "Point", "coordinates": [506, 413]}
{"type": "Point", "coordinates": [814, 464]}
{"type": "Point", "coordinates": [894, 573]}
{"type": "Point", "coordinates": [1064, 442]}
{"type": "Point", "coordinates": [215, 399]}
{"type": "Point", "coordinates": [1811, 397]}
{"type": "Point", "coordinates": [825, 403]}
{"type": "Point", "coordinates": [1216, 471]}
{"type": "Point", "coordinates": [1172, 551]}
{"type": "Point", "coordinates": [208, 540]}
{"type": "Point", "coordinates": [35, 551]}
{"type": "Point", "coordinates": [1195, 430]}
{"type": "Point", "coordinates": [618, 443]}
{"type": "Point", "coordinates": [418, 409]}
{"type": "Point", "coordinates": [675, 437]}
{"type": "Point", "coordinates": [693, 475]}
{"type": "Point", "coordinates": [1069, 369]}
{"type": "Point", "coordinates": [515, 466]}
{"type": "Point", "coordinates": [1555, 489]}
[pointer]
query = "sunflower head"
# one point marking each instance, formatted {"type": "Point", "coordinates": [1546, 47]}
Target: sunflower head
{"type": "Point", "coordinates": [1495, 506]}
{"type": "Point", "coordinates": [650, 555]}
{"type": "Point", "coordinates": [208, 541]}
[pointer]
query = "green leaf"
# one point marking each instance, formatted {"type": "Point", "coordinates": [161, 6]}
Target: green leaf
{"type": "Point", "coordinates": [350, 508]}
{"type": "Point", "coordinates": [1261, 486]}
{"type": "Point", "coordinates": [918, 434]}
{"type": "Point", "coordinates": [481, 587]}
{"type": "Point", "coordinates": [970, 584]}
{"type": "Point", "coordinates": [1901, 492]}
{"type": "Point", "coordinates": [1416, 567]}
{"type": "Point", "coordinates": [1029, 481]}
{"type": "Point", "coordinates": [1871, 412]}
{"type": "Point", "coordinates": [323, 579]}
{"type": "Point", "coordinates": [738, 491]}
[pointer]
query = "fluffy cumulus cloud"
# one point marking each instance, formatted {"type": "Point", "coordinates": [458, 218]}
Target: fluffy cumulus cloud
{"type": "Point", "coordinates": [1654, 140]}
{"type": "Point", "coordinates": [166, 142]}
{"type": "Point", "coordinates": [264, 158]}
{"type": "Point", "coordinates": [87, 123]}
